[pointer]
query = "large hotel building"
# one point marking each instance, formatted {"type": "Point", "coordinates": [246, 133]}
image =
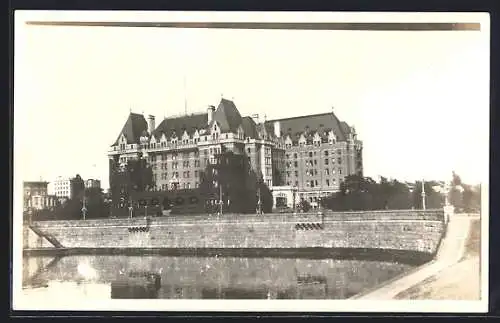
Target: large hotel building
{"type": "Point", "coordinates": [303, 157]}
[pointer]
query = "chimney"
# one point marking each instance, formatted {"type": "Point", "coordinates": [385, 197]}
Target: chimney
{"type": "Point", "coordinates": [277, 129]}
{"type": "Point", "coordinates": [151, 123]}
{"type": "Point", "coordinates": [210, 113]}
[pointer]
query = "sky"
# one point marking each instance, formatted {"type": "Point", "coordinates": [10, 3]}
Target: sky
{"type": "Point", "coordinates": [418, 100]}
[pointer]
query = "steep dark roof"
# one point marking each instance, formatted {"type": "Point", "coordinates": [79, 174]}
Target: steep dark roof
{"type": "Point", "coordinates": [249, 127]}
{"type": "Point", "coordinates": [228, 116]}
{"type": "Point", "coordinates": [317, 122]}
{"type": "Point", "coordinates": [134, 126]}
{"type": "Point", "coordinates": [178, 124]}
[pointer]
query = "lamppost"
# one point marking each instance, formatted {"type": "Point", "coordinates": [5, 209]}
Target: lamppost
{"type": "Point", "coordinates": [423, 194]}
{"type": "Point", "coordinates": [221, 201]}
{"type": "Point", "coordinates": [259, 201]}
{"type": "Point", "coordinates": [30, 209]}
{"type": "Point", "coordinates": [294, 192]}
{"type": "Point", "coordinates": [319, 201]}
{"type": "Point", "coordinates": [84, 208]}
{"type": "Point", "coordinates": [130, 210]}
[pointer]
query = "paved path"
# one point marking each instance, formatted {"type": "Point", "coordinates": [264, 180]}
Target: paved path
{"type": "Point", "coordinates": [450, 252]}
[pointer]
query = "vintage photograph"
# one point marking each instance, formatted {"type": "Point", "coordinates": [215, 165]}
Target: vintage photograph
{"type": "Point", "coordinates": [251, 161]}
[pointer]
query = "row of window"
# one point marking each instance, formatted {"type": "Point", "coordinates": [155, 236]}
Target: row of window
{"type": "Point", "coordinates": [167, 187]}
{"type": "Point", "coordinates": [314, 183]}
{"type": "Point", "coordinates": [313, 153]}
{"type": "Point", "coordinates": [314, 162]}
{"type": "Point", "coordinates": [184, 141]}
{"type": "Point", "coordinates": [316, 143]}
{"type": "Point", "coordinates": [312, 172]}
{"type": "Point", "coordinates": [186, 174]}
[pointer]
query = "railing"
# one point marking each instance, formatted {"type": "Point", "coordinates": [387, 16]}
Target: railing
{"type": "Point", "coordinates": [403, 215]}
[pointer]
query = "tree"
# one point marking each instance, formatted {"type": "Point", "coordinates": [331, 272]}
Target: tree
{"type": "Point", "coordinates": [231, 177]}
{"type": "Point", "coordinates": [456, 192]}
{"type": "Point", "coordinates": [399, 197]}
{"type": "Point", "coordinates": [96, 208]}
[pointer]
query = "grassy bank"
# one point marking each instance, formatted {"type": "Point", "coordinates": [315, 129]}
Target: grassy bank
{"type": "Point", "coordinates": [458, 282]}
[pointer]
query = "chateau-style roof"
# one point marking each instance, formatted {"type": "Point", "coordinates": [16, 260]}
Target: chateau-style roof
{"type": "Point", "coordinates": [249, 127]}
{"type": "Point", "coordinates": [134, 126]}
{"type": "Point", "coordinates": [228, 116]}
{"type": "Point", "coordinates": [321, 123]}
{"type": "Point", "coordinates": [190, 123]}
{"type": "Point", "coordinates": [229, 119]}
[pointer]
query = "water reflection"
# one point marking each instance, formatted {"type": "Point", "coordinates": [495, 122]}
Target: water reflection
{"type": "Point", "coordinates": [209, 278]}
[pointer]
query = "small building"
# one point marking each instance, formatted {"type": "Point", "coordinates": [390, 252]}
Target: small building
{"type": "Point", "coordinates": [33, 189]}
{"type": "Point", "coordinates": [92, 183]}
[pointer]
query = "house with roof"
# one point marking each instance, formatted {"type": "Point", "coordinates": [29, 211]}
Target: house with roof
{"type": "Point", "coordinates": [307, 155]}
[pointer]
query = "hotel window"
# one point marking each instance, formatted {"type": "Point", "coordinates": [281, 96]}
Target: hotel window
{"type": "Point", "coordinates": [174, 156]}
{"type": "Point", "coordinates": [339, 160]}
{"type": "Point", "coordinates": [296, 173]}
{"type": "Point", "coordinates": [327, 182]}
{"type": "Point", "coordinates": [196, 173]}
{"type": "Point", "coordinates": [310, 154]}
{"type": "Point", "coordinates": [311, 184]}
{"type": "Point", "coordinates": [295, 155]}
{"type": "Point", "coordinates": [315, 172]}
{"type": "Point", "coordinates": [296, 183]}
{"type": "Point", "coordinates": [326, 153]}
{"type": "Point", "coordinates": [296, 164]}
{"type": "Point", "coordinates": [327, 171]}
{"type": "Point", "coordinates": [288, 174]}
{"type": "Point", "coordinates": [315, 162]}
{"type": "Point", "coordinates": [316, 182]}
{"type": "Point", "coordinates": [187, 174]}
{"type": "Point", "coordinates": [340, 171]}
{"type": "Point", "coordinates": [196, 185]}
{"type": "Point", "coordinates": [174, 165]}
{"type": "Point", "coordinates": [326, 161]}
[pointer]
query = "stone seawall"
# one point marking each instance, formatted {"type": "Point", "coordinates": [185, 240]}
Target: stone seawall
{"type": "Point", "coordinates": [411, 230]}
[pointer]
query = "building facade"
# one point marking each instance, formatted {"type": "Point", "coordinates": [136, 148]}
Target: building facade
{"type": "Point", "coordinates": [320, 151]}
{"type": "Point", "coordinates": [310, 155]}
{"type": "Point", "coordinates": [36, 196]}
{"type": "Point", "coordinates": [68, 188]}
